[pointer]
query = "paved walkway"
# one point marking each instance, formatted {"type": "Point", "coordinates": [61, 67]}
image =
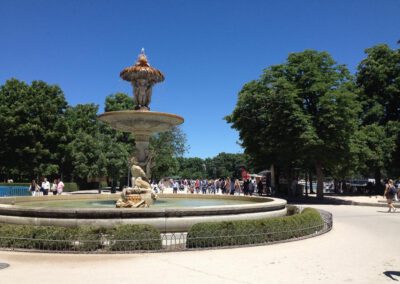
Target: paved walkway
{"type": "Point", "coordinates": [363, 247]}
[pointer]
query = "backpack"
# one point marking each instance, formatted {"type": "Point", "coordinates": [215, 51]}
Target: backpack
{"type": "Point", "coordinates": [392, 190]}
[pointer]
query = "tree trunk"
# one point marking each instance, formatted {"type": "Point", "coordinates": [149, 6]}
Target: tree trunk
{"type": "Point", "coordinates": [310, 182]}
{"type": "Point", "coordinates": [378, 185]}
{"type": "Point", "coordinates": [320, 180]}
{"type": "Point", "coordinates": [336, 186]}
{"type": "Point", "coordinates": [289, 182]}
{"type": "Point", "coordinates": [305, 183]}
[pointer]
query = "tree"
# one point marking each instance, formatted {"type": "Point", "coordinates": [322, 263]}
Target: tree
{"type": "Point", "coordinates": [118, 101]}
{"type": "Point", "coordinates": [226, 165]}
{"type": "Point", "coordinates": [191, 168]}
{"type": "Point", "coordinates": [301, 112]}
{"type": "Point", "coordinates": [378, 77]}
{"type": "Point", "coordinates": [30, 128]}
{"type": "Point", "coordinates": [84, 155]}
{"type": "Point", "coordinates": [164, 148]}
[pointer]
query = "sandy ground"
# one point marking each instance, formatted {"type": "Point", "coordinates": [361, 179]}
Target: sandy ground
{"type": "Point", "coordinates": [363, 247]}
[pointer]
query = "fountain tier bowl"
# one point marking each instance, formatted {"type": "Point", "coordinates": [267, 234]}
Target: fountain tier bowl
{"type": "Point", "coordinates": [141, 122]}
{"type": "Point", "coordinates": [168, 219]}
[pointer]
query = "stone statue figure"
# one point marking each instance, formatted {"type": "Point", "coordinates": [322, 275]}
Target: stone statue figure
{"type": "Point", "coordinates": [142, 93]}
{"type": "Point", "coordinates": [137, 172]}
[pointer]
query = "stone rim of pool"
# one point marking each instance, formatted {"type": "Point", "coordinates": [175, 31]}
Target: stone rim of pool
{"type": "Point", "coordinates": [171, 219]}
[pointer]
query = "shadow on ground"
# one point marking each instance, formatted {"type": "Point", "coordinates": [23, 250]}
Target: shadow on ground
{"type": "Point", "coordinates": [390, 274]}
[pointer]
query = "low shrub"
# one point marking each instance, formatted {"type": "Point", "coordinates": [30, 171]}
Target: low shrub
{"type": "Point", "coordinates": [134, 237]}
{"type": "Point", "coordinates": [292, 210]}
{"type": "Point", "coordinates": [103, 184]}
{"type": "Point", "coordinates": [70, 186]}
{"type": "Point", "coordinates": [83, 238]}
{"type": "Point", "coordinates": [89, 238]}
{"type": "Point", "coordinates": [16, 236]}
{"type": "Point", "coordinates": [230, 233]}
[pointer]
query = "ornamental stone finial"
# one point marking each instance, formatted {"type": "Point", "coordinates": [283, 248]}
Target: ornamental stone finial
{"type": "Point", "coordinates": [142, 77]}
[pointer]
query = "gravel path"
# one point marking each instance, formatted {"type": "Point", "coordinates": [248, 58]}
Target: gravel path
{"type": "Point", "coordinates": [363, 247]}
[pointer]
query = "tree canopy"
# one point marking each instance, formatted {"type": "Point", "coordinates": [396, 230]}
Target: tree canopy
{"type": "Point", "coordinates": [301, 113]}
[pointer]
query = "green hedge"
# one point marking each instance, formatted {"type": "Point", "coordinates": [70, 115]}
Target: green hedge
{"type": "Point", "coordinates": [83, 238]}
{"type": "Point", "coordinates": [70, 186]}
{"type": "Point", "coordinates": [146, 238]}
{"type": "Point", "coordinates": [231, 233]}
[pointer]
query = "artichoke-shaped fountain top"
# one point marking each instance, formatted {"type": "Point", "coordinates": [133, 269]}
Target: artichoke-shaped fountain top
{"type": "Point", "coordinates": [142, 70]}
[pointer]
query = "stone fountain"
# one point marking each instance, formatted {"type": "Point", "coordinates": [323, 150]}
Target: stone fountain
{"type": "Point", "coordinates": [143, 123]}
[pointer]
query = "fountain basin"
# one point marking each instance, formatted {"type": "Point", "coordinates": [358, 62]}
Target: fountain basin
{"type": "Point", "coordinates": [173, 219]}
{"type": "Point", "coordinates": [141, 122]}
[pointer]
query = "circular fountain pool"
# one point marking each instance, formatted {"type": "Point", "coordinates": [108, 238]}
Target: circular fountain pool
{"type": "Point", "coordinates": [159, 203]}
{"type": "Point", "coordinates": [171, 213]}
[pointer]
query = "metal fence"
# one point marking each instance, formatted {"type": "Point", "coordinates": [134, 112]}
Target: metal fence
{"type": "Point", "coordinates": [6, 190]}
{"type": "Point", "coordinates": [102, 243]}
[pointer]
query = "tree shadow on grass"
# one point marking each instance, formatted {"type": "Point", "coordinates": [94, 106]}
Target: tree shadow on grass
{"type": "Point", "coordinates": [390, 274]}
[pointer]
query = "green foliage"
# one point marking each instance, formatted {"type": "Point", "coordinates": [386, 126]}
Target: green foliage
{"type": "Point", "coordinates": [118, 101]}
{"type": "Point", "coordinates": [164, 149]}
{"type": "Point", "coordinates": [70, 186]}
{"type": "Point", "coordinates": [231, 233]}
{"type": "Point", "coordinates": [378, 79]}
{"type": "Point", "coordinates": [134, 237]}
{"type": "Point", "coordinates": [301, 113]}
{"type": "Point", "coordinates": [191, 168]}
{"type": "Point", "coordinates": [30, 126]}
{"type": "Point", "coordinates": [83, 238]}
{"type": "Point", "coordinates": [226, 165]}
{"type": "Point", "coordinates": [292, 210]}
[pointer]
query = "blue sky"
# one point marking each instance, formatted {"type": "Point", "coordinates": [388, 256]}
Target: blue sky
{"type": "Point", "coordinates": [207, 50]}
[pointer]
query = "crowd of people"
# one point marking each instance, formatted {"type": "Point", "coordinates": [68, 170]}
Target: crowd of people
{"type": "Point", "coordinates": [44, 187]}
{"type": "Point", "coordinates": [217, 186]}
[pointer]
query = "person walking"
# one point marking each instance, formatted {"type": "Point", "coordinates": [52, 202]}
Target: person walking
{"type": "Point", "coordinates": [54, 187]}
{"type": "Point", "coordinates": [60, 186]}
{"type": "Point", "coordinates": [389, 193]}
{"type": "Point", "coordinates": [175, 186]}
{"type": "Point", "coordinates": [237, 186]}
{"type": "Point", "coordinates": [34, 188]}
{"type": "Point", "coordinates": [45, 186]}
{"type": "Point", "coordinates": [260, 187]}
{"type": "Point", "coordinates": [228, 185]}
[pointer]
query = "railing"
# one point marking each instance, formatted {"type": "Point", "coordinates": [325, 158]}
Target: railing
{"type": "Point", "coordinates": [14, 191]}
{"type": "Point", "coordinates": [166, 242]}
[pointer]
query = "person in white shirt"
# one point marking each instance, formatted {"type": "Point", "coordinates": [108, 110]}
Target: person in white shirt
{"type": "Point", "coordinates": [45, 186]}
{"type": "Point", "coordinates": [60, 186]}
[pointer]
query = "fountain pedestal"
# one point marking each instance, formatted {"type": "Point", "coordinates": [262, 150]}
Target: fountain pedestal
{"type": "Point", "coordinates": [142, 122]}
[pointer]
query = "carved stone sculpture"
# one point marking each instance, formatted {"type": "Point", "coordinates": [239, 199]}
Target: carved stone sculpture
{"type": "Point", "coordinates": [140, 194]}
{"type": "Point", "coordinates": [142, 77]}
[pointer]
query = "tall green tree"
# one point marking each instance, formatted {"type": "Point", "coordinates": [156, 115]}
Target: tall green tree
{"type": "Point", "coordinates": [305, 112]}
{"type": "Point", "coordinates": [84, 155]}
{"type": "Point", "coordinates": [378, 78]}
{"type": "Point", "coordinates": [30, 128]}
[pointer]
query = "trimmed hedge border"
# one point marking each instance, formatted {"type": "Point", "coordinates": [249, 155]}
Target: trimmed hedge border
{"type": "Point", "coordinates": [83, 238]}
{"type": "Point", "coordinates": [135, 238]}
{"type": "Point", "coordinates": [236, 233]}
